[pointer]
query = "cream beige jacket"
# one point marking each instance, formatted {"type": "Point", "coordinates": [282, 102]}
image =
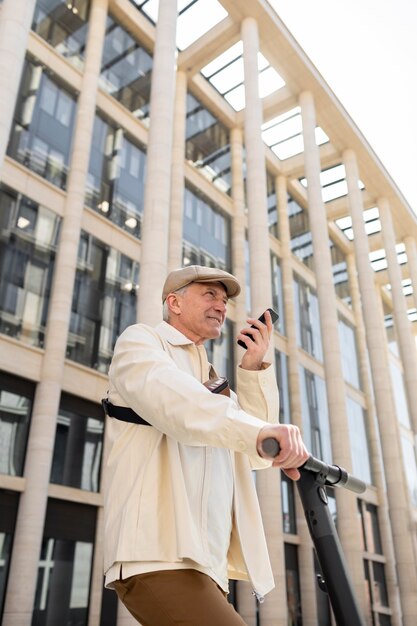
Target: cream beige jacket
{"type": "Point", "coordinates": [148, 516]}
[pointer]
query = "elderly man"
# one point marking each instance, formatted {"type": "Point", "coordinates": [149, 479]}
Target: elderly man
{"type": "Point", "coordinates": [181, 511]}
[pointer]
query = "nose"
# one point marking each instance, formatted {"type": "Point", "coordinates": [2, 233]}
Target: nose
{"type": "Point", "coordinates": [221, 305]}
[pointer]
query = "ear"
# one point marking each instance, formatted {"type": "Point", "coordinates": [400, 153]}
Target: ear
{"type": "Point", "coordinates": [173, 303]}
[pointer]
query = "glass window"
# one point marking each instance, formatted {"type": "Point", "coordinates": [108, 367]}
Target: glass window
{"type": "Point", "coordinates": [27, 255]}
{"type": "Point", "coordinates": [370, 528]}
{"type": "Point", "coordinates": [8, 506]}
{"type": "Point", "coordinates": [307, 319]}
{"type": "Point", "coordinates": [116, 177]}
{"type": "Point", "coordinates": [277, 299]}
{"type": "Point", "coordinates": [361, 465]}
{"type": "Point", "coordinates": [349, 354]}
{"type": "Point", "coordinates": [340, 273]}
{"type": "Point", "coordinates": [64, 570]}
{"type": "Point", "coordinates": [316, 427]}
{"type": "Point", "coordinates": [272, 205]}
{"type": "Point", "coordinates": [126, 70]}
{"type": "Point", "coordinates": [220, 353]}
{"type": "Point", "coordinates": [109, 602]}
{"type": "Point", "coordinates": [207, 144]}
{"type": "Point", "coordinates": [41, 136]}
{"type": "Point", "coordinates": [78, 444]}
{"type": "Point", "coordinates": [289, 521]}
{"type": "Point", "coordinates": [292, 579]}
{"type": "Point", "coordinates": [103, 304]}
{"type": "Point", "coordinates": [206, 233]}
{"type": "Point", "coordinates": [400, 397]}
{"type": "Point", "coordinates": [283, 386]}
{"type": "Point", "coordinates": [16, 397]}
{"type": "Point", "coordinates": [390, 329]}
{"type": "Point", "coordinates": [63, 24]}
{"type": "Point", "coordinates": [301, 241]}
{"type": "Point", "coordinates": [376, 587]}
{"type": "Point", "coordinates": [410, 463]}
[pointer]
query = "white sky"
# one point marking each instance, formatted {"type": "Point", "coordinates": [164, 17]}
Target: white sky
{"type": "Point", "coordinates": [366, 50]}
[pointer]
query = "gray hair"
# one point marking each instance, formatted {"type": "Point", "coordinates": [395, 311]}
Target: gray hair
{"type": "Point", "coordinates": [165, 308]}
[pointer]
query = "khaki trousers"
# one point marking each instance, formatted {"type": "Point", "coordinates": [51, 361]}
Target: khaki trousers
{"type": "Point", "coordinates": [183, 597]}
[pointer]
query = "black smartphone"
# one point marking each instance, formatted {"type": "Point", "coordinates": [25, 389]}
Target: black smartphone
{"type": "Point", "coordinates": [274, 317]}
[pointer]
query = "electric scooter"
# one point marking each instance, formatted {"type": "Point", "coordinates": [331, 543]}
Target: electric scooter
{"type": "Point", "coordinates": [335, 581]}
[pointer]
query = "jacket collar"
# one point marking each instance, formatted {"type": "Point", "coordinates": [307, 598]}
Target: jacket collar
{"type": "Point", "coordinates": [172, 335]}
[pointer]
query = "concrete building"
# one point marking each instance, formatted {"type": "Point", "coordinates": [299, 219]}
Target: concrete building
{"type": "Point", "coordinates": [132, 143]}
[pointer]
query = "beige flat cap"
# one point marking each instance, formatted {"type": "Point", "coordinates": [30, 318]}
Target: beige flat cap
{"type": "Point", "coordinates": [199, 274]}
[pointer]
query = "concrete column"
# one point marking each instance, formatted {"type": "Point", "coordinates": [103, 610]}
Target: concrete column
{"type": "Point", "coordinates": [406, 341]}
{"type": "Point", "coordinates": [155, 225]}
{"type": "Point", "coordinates": [30, 520]}
{"type": "Point", "coordinates": [305, 549]}
{"type": "Point", "coordinates": [245, 599]}
{"type": "Point", "coordinates": [374, 445]}
{"type": "Point", "coordinates": [397, 490]}
{"type": "Point", "coordinates": [259, 250]}
{"type": "Point", "coordinates": [268, 481]}
{"type": "Point", "coordinates": [411, 249]}
{"type": "Point", "coordinates": [347, 518]}
{"type": "Point", "coordinates": [15, 21]}
{"type": "Point", "coordinates": [238, 230]}
{"type": "Point", "coordinates": [177, 174]}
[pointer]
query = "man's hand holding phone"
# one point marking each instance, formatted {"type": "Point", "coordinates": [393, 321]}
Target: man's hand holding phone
{"type": "Point", "coordinates": [255, 339]}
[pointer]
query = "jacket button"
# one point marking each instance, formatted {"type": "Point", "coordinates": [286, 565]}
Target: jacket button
{"type": "Point", "coordinates": [241, 445]}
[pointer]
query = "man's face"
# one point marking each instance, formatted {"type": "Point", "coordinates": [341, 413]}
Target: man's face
{"type": "Point", "coordinates": [200, 311]}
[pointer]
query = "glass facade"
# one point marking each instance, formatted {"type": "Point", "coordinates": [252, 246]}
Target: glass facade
{"type": "Point", "coordinates": [390, 329]}
{"type": "Point", "coordinates": [43, 126]}
{"type": "Point", "coordinates": [374, 565]}
{"type": "Point", "coordinates": [340, 273]}
{"type": "Point", "coordinates": [65, 562]}
{"type": "Point", "coordinates": [64, 26]}
{"type": "Point", "coordinates": [28, 240]}
{"type": "Point", "coordinates": [126, 69]}
{"type": "Point", "coordinates": [400, 398]}
{"type": "Point", "coordinates": [206, 233]}
{"type": "Point", "coordinates": [103, 304]}
{"type": "Point", "coordinates": [307, 319]}
{"type": "Point", "coordinates": [316, 427]}
{"type": "Point", "coordinates": [116, 176]}
{"type": "Point", "coordinates": [349, 354]}
{"type": "Point", "coordinates": [277, 298]}
{"type": "Point", "coordinates": [220, 353]}
{"type": "Point", "coordinates": [8, 506]}
{"type": "Point", "coordinates": [301, 241]}
{"type": "Point", "coordinates": [207, 144]}
{"type": "Point", "coordinates": [271, 199]}
{"type": "Point", "coordinates": [281, 368]}
{"type": "Point", "coordinates": [292, 579]}
{"type": "Point", "coordinates": [410, 466]}
{"type": "Point", "coordinates": [361, 463]}
{"type": "Point", "coordinates": [78, 444]}
{"type": "Point", "coordinates": [16, 397]}
{"type": "Point", "coordinates": [289, 520]}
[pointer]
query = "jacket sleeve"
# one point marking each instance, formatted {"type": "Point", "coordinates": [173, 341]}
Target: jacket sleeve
{"type": "Point", "coordinates": [257, 393]}
{"type": "Point", "coordinates": [144, 377]}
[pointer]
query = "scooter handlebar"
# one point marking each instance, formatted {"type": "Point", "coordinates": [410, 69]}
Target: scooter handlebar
{"type": "Point", "coordinates": [331, 474]}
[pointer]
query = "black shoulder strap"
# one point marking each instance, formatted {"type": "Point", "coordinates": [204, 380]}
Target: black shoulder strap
{"type": "Point", "coordinates": [122, 413]}
{"type": "Point", "coordinates": [125, 414]}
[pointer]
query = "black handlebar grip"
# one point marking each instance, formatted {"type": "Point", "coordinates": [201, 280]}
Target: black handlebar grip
{"type": "Point", "coordinates": [271, 447]}
{"type": "Point", "coordinates": [351, 482]}
{"type": "Point", "coordinates": [334, 475]}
